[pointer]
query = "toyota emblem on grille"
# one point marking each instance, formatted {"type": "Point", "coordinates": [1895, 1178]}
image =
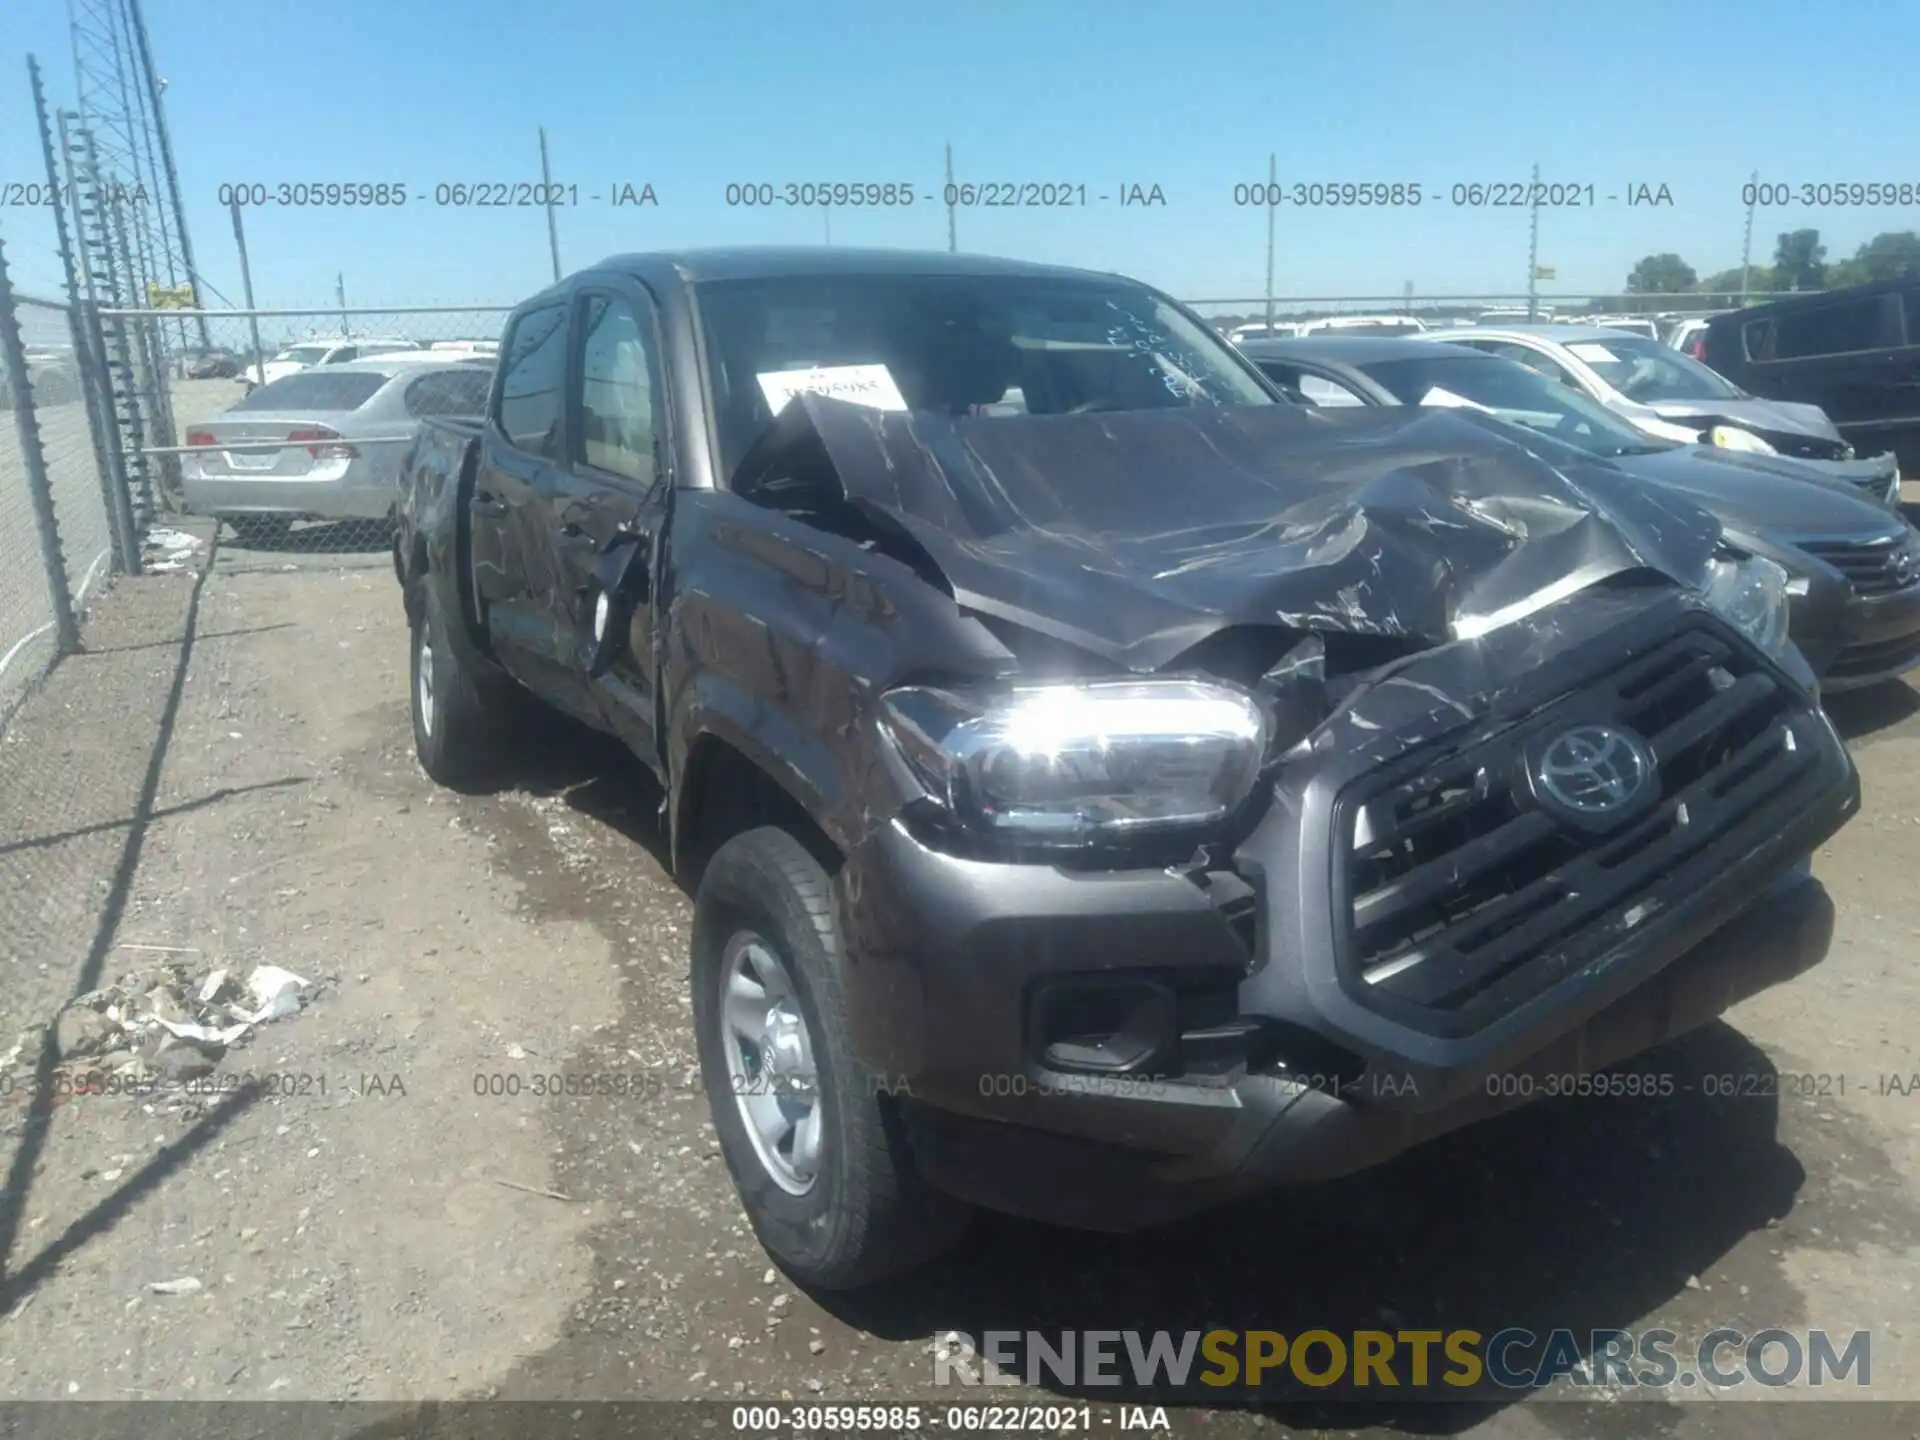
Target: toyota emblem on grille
{"type": "Point", "coordinates": [1906, 566]}
{"type": "Point", "coordinates": [1593, 770]}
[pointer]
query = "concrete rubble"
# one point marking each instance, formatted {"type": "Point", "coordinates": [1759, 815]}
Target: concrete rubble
{"type": "Point", "coordinates": [159, 1024]}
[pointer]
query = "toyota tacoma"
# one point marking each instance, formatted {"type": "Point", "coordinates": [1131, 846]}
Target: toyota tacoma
{"type": "Point", "coordinates": [1106, 788]}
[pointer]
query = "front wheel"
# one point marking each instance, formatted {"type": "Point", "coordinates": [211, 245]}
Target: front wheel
{"type": "Point", "coordinates": [816, 1153]}
{"type": "Point", "coordinates": [460, 719]}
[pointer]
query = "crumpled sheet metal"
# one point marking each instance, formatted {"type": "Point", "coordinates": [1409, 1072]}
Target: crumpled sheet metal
{"type": "Point", "coordinates": [1136, 535]}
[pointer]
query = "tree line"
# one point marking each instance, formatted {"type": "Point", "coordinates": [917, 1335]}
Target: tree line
{"type": "Point", "coordinates": [1799, 263]}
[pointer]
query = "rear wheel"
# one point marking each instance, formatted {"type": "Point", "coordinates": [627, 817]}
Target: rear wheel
{"type": "Point", "coordinates": [460, 719]}
{"type": "Point", "coordinates": [816, 1153]}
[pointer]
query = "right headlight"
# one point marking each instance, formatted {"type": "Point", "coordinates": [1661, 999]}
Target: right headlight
{"type": "Point", "coordinates": [1751, 594]}
{"type": "Point", "coordinates": [1070, 765]}
{"type": "Point", "coordinates": [1732, 437]}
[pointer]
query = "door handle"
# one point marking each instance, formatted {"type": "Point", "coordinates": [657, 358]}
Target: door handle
{"type": "Point", "coordinates": [574, 537]}
{"type": "Point", "coordinates": [488, 508]}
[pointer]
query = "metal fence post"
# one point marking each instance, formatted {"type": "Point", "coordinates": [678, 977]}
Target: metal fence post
{"type": "Point", "coordinates": [14, 355]}
{"type": "Point", "coordinates": [116, 486]}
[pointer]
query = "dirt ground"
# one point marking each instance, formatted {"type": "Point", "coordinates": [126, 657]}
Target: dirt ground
{"type": "Point", "coordinates": [228, 773]}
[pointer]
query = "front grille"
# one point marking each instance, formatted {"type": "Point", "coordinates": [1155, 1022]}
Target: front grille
{"type": "Point", "coordinates": [1461, 899]}
{"type": "Point", "coordinates": [1878, 566]}
{"type": "Point", "coordinates": [1808, 447]}
{"type": "Point", "coordinates": [1874, 487]}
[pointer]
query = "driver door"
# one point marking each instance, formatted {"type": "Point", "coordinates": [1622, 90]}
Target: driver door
{"type": "Point", "coordinates": [610, 505]}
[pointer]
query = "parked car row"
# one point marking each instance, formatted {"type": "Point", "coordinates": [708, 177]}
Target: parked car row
{"type": "Point", "coordinates": [1676, 330]}
{"type": "Point", "coordinates": [1106, 787]}
{"type": "Point", "coordinates": [1669, 396]}
{"type": "Point", "coordinates": [1330, 324]}
{"type": "Point", "coordinates": [52, 376]}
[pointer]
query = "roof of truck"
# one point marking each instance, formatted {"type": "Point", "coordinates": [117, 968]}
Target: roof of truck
{"type": "Point", "coordinates": [766, 262]}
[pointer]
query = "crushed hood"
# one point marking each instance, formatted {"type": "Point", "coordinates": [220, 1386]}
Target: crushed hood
{"type": "Point", "coordinates": [1136, 535]}
{"type": "Point", "coordinates": [1779, 417]}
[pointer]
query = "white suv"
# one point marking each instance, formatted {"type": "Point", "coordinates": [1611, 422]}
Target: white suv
{"type": "Point", "coordinates": [329, 352]}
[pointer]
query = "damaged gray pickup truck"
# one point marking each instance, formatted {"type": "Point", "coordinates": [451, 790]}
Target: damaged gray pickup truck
{"type": "Point", "coordinates": [1106, 788]}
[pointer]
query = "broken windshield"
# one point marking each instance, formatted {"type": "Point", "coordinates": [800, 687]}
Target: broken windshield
{"type": "Point", "coordinates": [957, 345]}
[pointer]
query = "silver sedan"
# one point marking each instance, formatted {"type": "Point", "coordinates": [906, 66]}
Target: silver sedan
{"type": "Point", "coordinates": [323, 443]}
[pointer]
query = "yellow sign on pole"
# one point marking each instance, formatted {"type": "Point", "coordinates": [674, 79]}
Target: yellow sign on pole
{"type": "Point", "coordinates": [171, 297]}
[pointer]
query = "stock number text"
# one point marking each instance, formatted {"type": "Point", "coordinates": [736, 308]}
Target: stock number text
{"type": "Point", "coordinates": [1317, 193]}
{"type": "Point", "coordinates": [1825, 193]}
{"type": "Point", "coordinates": [812, 195]}
{"type": "Point", "coordinates": [618, 1084]}
{"type": "Point", "coordinates": [1601, 1086]}
{"type": "Point", "coordinates": [316, 194]}
{"type": "Point", "coordinates": [1151, 1087]}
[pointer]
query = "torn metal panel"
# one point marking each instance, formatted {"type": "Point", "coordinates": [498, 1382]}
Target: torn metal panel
{"type": "Point", "coordinates": [1138, 534]}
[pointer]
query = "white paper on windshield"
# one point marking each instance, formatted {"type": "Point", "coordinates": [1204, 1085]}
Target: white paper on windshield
{"type": "Point", "coordinates": [1592, 353]}
{"type": "Point", "coordinates": [870, 385]}
{"type": "Point", "coordinates": [1438, 396]}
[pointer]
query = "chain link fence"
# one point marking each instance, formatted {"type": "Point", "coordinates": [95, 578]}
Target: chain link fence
{"type": "Point", "coordinates": [58, 534]}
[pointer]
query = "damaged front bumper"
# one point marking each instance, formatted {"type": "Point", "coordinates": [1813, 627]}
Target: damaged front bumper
{"type": "Point", "coordinates": [1881, 642]}
{"type": "Point", "coordinates": [1389, 952]}
{"type": "Point", "coordinates": [1106, 1158]}
{"type": "Point", "coordinates": [1876, 477]}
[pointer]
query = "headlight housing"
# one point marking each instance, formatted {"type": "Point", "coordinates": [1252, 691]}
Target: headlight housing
{"type": "Point", "coordinates": [1750, 593]}
{"type": "Point", "coordinates": [1667, 430]}
{"type": "Point", "coordinates": [1073, 765]}
{"type": "Point", "coordinates": [1732, 437]}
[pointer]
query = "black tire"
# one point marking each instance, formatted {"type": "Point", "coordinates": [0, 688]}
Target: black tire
{"type": "Point", "coordinates": [868, 1214]}
{"type": "Point", "coordinates": [460, 718]}
{"type": "Point", "coordinates": [261, 529]}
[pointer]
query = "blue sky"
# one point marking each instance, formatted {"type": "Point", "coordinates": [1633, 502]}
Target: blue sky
{"type": "Point", "coordinates": [1693, 94]}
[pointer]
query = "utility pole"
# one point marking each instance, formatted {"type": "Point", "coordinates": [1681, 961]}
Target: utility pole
{"type": "Point", "coordinates": [76, 323]}
{"type": "Point", "coordinates": [118, 88]}
{"type": "Point", "coordinates": [546, 190]}
{"type": "Point", "coordinates": [1533, 249]}
{"type": "Point", "coordinates": [340, 295]}
{"type": "Point", "coordinates": [33, 457]}
{"type": "Point", "coordinates": [1273, 197]}
{"type": "Point", "coordinates": [1406, 303]}
{"type": "Point", "coordinates": [1746, 245]}
{"type": "Point", "coordinates": [246, 292]}
{"type": "Point", "coordinates": [949, 196]}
